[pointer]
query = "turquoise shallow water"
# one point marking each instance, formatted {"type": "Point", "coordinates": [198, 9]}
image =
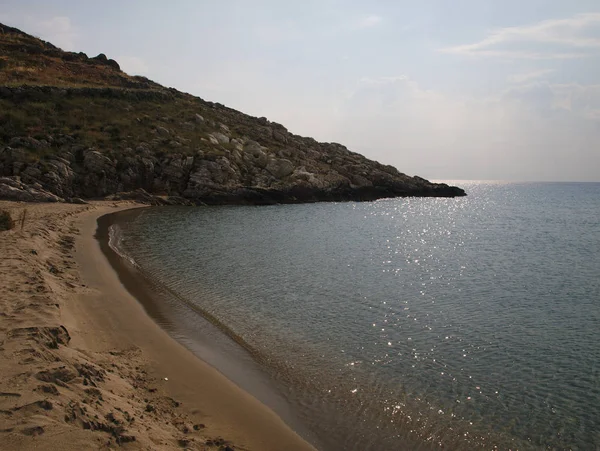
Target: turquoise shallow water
{"type": "Point", "coordinates": [467, 323]}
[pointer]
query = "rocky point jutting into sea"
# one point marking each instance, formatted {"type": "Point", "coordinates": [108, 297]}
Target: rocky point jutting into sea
{"type": "Point", "coordinates": [74, 127]}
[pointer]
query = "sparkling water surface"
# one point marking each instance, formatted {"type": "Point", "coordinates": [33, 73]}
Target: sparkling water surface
{"type": "Point", "coordinates": [468, 323]}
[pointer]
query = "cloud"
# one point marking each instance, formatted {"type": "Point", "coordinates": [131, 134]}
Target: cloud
{"type": "Point", "coordinates": [580, 101]}
{"type": "Point", "coordinates": [369, 21]}
{"type": "Point", "coordinates": [538, 131]}
{"type": "Point", "coordinates": [528, 76]}
{"type": "Point", "coordinates": [133, 65]}
{"type": "Point", "coordinates": [575, 37]}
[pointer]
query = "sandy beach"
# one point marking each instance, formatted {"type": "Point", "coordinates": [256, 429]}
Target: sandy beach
{"type": "Point", "coordinates": [82, 366]}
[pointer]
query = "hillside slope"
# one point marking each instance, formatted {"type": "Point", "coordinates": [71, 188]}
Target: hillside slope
{"type": "Point", "coordinates": [78, 127]}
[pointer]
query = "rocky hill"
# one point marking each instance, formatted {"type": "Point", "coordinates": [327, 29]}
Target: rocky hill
{"type": "Point", "coordinates": [76, 127]}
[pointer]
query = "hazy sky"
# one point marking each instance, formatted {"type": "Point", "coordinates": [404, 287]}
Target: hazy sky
{"type": "Point", "coordinates": [481, 89]}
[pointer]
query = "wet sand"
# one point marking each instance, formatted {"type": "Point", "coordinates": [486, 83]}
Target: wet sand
{"type": "Point", "coordinates": [83, 366]}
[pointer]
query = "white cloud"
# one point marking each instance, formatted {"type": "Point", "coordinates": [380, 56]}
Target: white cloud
{"type": "Point", "coordinates": [528, 76]}
{"type": "Point", "coordinates": [575, 37]}
{"type": "Point", "coordinates": [133, 65]}
{"type": "Point", "coordinates": [369, 21]}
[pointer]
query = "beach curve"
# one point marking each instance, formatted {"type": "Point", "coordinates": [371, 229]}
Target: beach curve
{"type": "Point", "coordinates": [82, 359]}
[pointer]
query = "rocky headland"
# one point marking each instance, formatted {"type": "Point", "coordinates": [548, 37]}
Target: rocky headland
{"type": "Point", "coordinates": [74, 127]}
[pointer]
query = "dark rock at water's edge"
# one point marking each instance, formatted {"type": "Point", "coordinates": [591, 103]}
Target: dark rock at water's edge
{"type": "Point", "coordinates": [74, 128]}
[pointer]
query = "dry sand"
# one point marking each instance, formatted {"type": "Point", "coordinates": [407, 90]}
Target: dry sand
{"type": "Point", "coordinates": [82, 366]}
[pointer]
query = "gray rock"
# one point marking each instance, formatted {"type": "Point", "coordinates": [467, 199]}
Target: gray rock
{"type": "Point", "coordinates": [31, 172]}
{"type": "Point", "coordinates": [148, 165]}
{"type": "Point", "coordinates": [360, 181]}
{"type": "Point", "coordinates": [27, 142]}
{"type": "Point", "coordinates": [237, 144]}
{"type": "Point", "coordinates": [251, 145]}
{"type": "Point", "coordinates": [14, 182]}
{"type": "Point", "coordinates": [221, 138]}
{"type": "Point", "coordinates": [95, 162]}
{"type": "Point", "coordinates": [254, 154]}
{"type": "Point", "coordinates": [280, 168]}
{"type": "Point", "coordinates": [63, 169]}
{"type": "Point", "coordinates": [143, 149]}
{"type": "Point", "coordinates": [11, 188]}
{"type": "Point", "coordinates": [174, 169]}
{"type": "Point", "coordinates": [162, 131]}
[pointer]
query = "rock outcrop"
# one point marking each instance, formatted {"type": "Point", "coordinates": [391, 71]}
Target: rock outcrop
{"type": "Point", "coordinates": [11, 188]}
{"type": "Point", "coordinates": [112, 133]}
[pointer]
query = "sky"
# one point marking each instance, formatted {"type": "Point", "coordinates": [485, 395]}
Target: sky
{"type": "Point", "coordinates": [473, 89]}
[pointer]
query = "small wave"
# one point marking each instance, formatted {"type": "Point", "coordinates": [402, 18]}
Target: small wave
{"type": "Point", "coordinates": [115, 242]}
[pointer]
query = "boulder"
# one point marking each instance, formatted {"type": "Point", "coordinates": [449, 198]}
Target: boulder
{"type": "Point", "coordinates": [143, 197]}
{"type": "Point", "coordinates": [221, 138]}
{"type": "Point", "coordinates": [62, 168]}
{"type": "Point", "coordinates": [278, 136]}
{"type": "Point", "coordinates": [177, 170]}
{"type": "Point", "coordinates": [237, 144]}
{"type": "Point", "coordinates": [31, 173]}
{"type": "Point", "coordinates": [162, 131]}
{"type": "Point", "coordinates": [28, 142]}
{"type": "Point", "coordinates": [97, 163]}
{"type": "Point", "coordinates": [11, 188]}
{"type": "Point", "coordinates": [253, 153]}
{"type": "Point", "coordinates": [280, 168]}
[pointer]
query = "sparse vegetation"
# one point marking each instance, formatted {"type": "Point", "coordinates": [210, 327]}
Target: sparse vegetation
{"type": "Point", "coordinates": [6, 221]}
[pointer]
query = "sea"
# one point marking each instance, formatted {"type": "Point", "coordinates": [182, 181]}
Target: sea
{"type": "Point", "coordinates": [400, 324]}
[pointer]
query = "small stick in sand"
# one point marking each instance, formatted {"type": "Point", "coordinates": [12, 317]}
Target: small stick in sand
{"type": "Point", "coordinates": [23, 216]}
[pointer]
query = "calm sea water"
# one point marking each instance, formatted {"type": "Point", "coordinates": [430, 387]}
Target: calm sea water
{"type": "Point", "coordinates": [467, 323]}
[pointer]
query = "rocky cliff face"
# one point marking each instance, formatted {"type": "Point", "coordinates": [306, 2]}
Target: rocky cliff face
{"type": "Point", "coordinates": [114, 133]}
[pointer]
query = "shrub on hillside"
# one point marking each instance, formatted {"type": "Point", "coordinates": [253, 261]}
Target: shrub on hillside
{"type": "Point", "coordinates": [6, 222]}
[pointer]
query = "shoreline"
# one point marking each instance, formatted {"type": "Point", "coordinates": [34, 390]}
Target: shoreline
{"type": "Point", "coordinates": [82, 359]}
{"type": "Point", "coordinates": [209, 340]}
